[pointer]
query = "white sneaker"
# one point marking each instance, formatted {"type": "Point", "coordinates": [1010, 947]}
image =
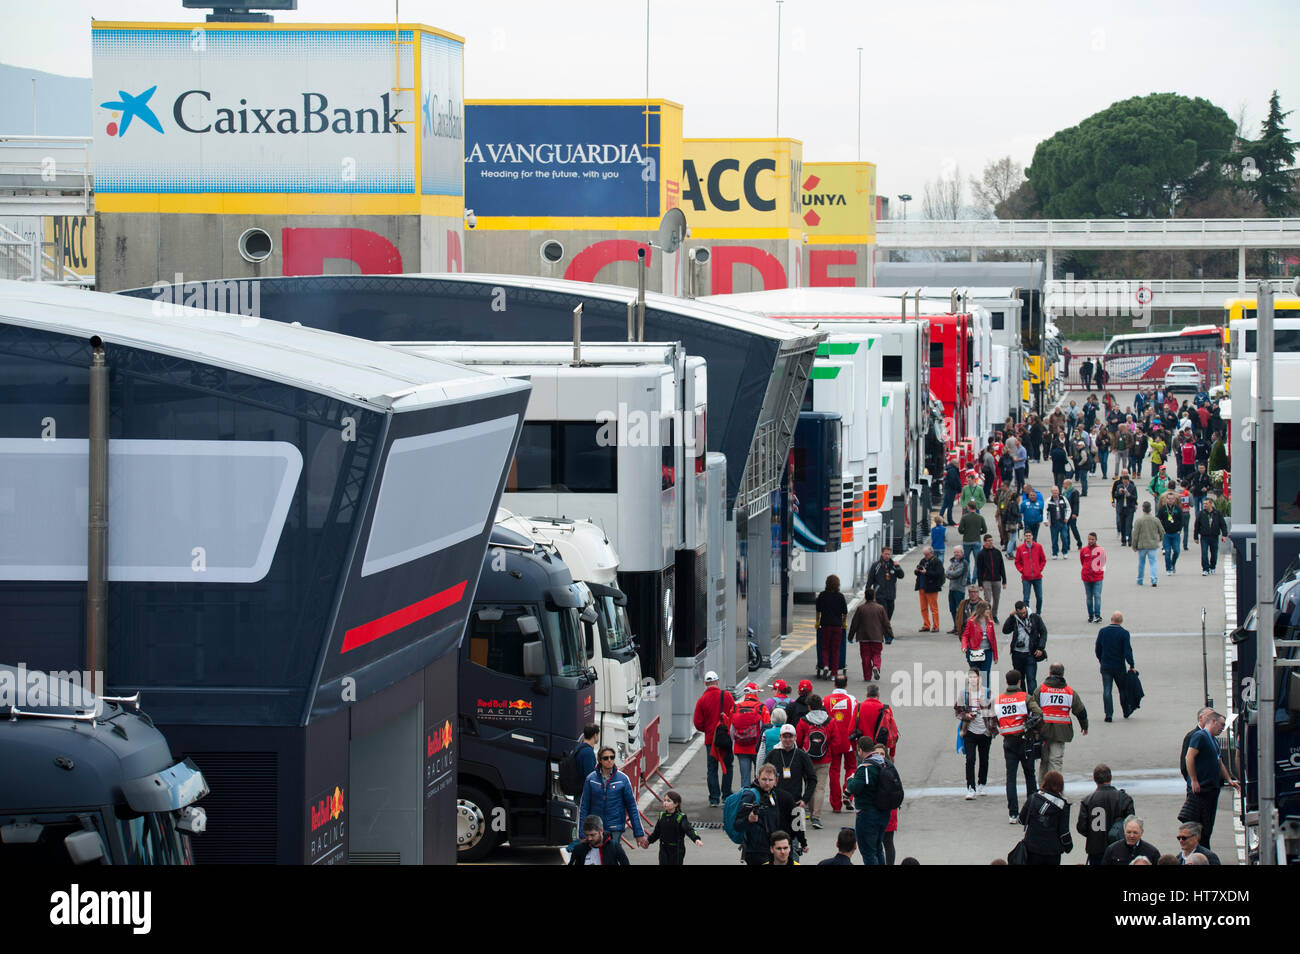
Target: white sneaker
{"type": "Point", "coordinates": [982, 791]}
{"type": "Point", "coordinates": [970, 794]}
{"type": "Point", "coordinates": [1014, 819]}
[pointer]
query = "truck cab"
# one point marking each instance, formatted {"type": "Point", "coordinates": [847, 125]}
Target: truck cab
{"type": "Point", "coordinates": [526, 691]}
{"type": "Point", "coordinates": [611, 647]}
{"type": "Point", "coordinates": [89, 780]}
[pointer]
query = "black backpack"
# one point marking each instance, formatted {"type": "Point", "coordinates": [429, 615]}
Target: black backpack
{"type": "Point", "coordinates": [571, 778]}
{"type": "Point", "coordinates": [818, 743]}
{"type": "Point", "coordinates": [889, 788]}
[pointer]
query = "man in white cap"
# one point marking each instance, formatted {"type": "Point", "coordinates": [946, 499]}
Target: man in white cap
{"type": "Point", "coordinates": [713, 717]}
{"type": "Point", "coordinates": [795, 772]}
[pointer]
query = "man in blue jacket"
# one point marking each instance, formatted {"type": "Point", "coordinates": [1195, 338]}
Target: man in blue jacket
{"type": "Point", "coordinates": [1113, 649]}
{"type": "Point", "coordinates": [608, 793]}
{"type": "Point", "coordinates": [1031, 510]}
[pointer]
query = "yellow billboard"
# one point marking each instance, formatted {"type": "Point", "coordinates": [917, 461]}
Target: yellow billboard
{"type": "Point", "coordinates": [838, 203]}
{"type": "Point", "coordinates": [742, 188]}
{"type": "Point", "coordinates": [76, 233]}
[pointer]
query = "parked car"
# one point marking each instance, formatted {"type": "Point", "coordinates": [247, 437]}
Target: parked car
{"type": "Point", "coordinates": [1183, 376]}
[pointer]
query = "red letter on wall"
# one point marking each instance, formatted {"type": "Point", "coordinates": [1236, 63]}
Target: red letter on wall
{"type": "Point", "coordinates": [820, 261]}
{"type": "Point", "coordinates": [727, 256]}
{"type": "Point", "coordinates": [455, 263]}
{"type": "Point", "coordinates": [586, 265]}
{"type": "Point", "coordinates": [305, 250]}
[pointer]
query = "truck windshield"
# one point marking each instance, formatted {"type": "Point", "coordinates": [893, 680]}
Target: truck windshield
{"type": "Point", "coordinates": [562, 633]}
{"type": "Point", "coordinates": [152, 839]}
{"type": "Point", "coordinates": [617, 636]}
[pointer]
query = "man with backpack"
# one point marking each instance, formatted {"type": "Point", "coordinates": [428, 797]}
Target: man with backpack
{"type": "Point", "coordinates": [753, 814]}
{"type": "Point", "coordinates": [875, 721]}
{"type": "Point", "coordinates": [841, 707]}
{"type": "Point", "coordinates": [713, 718]}
{"type": "Point", "coordinates": [814, 735]}
{"type": "Point", "coordinates": [747, 723]}
{"type": "Point", "coordinates": [877, 790]}
{"type": "Point", "coordinates": [580, 763]}
{"type": "Point", "coordinates": [1101, 815]}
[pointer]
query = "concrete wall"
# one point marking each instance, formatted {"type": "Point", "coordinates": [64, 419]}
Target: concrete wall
{"type": "Point", "coordinates": [849, 265]}
{"type": "Point", "coordinates": [135, 249]}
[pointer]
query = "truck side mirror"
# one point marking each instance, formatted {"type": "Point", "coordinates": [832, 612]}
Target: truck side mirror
{"type": "Point", "coordinates": [84, 847]}
{"type": "Point", "coordinates": [529, 626]}
{"type": "Point", "coordinates": [534, 659]}
{"type": "Point", "coordinates": [588, 615]}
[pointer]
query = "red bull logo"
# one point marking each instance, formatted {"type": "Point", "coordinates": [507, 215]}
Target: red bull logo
{"type": "Point", "coordinates": [509, 710]}
{"type": "Point", "coordinates": [327, 809]}
{"type": "Point", "coordinates": [439, 740]}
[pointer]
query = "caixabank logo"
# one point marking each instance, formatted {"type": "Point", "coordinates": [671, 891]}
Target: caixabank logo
{"type": "Point", "coordinates": [128, 107]}
{"type": "Point", "coordinates": [193, 111]}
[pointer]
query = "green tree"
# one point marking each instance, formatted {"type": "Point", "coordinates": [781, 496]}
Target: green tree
{"type": "Point", "coordinates": [1273, 155]}
{"type": "Point", "coordinates": [1135, 158]}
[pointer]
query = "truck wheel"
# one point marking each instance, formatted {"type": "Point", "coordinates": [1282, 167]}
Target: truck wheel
{"type": "Point", "coordinates": [475, 836]}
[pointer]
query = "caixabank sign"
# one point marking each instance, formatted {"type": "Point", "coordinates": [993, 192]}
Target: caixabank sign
{"type": "Point", "coordinates": [272, 108]}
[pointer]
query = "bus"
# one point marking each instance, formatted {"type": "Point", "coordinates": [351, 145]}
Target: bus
{"type": "Point", "coordinates": [1234, 309]}
{"type": "Point", "coordinates": [1142, 359]}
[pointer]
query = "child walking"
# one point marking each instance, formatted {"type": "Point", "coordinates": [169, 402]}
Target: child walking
{"type": "Point", "coordinates": [672, 831]}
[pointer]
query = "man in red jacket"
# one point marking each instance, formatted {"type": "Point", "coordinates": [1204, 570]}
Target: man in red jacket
{"type": "Point", "coordinates": [841, 707]}
{"type": "Point", "coordinates": [713, 709]}
{"type": "Point", "coordinates": [748, 720]}
{"type": "Point", "coordinates": [1030, 560]}
{"type": "Point", "coordinates": [1093, 561]}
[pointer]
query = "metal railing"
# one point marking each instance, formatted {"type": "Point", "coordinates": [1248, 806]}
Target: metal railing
{"type": "Point", "coordinates": [33, 260]}
{"type": "Point", "coordinates": [46, 172]}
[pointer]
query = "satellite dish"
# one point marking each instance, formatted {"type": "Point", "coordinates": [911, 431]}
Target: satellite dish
{"type": "Point", "coordinates": [672, 229]}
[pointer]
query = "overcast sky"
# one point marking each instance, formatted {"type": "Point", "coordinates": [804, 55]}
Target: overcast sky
{"type": "Point", "coordinates": [944, 84]}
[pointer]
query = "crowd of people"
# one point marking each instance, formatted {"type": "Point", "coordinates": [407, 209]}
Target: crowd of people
{"type": "Point", "coordinates": [798, 751]}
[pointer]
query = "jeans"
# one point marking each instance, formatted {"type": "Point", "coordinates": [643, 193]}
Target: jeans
{"type": "Point", "coordinates": [977, 745]}
{"type": "Point", "coordinates": [1032, 529]}
{"type": "Point", "coordinates": [968, 554]}
{"type": "Point", "coordinates": [1036, 587]}
{"type": "Point", "coordinates": [955, 597]}
{"type": "Point", "coordinates": [1107, 681]}
{"type": "Point", "coordinates": [870, 827]}
{"type": "Point", "coordinates": [1144, 557]}
{"type": "Point", "coordinates": [1104, 458]}
{"type": "Point", "coordinates": [1092, 596]}
{"type": "Point", "coordinates": [986, 665]}
{"type": "Point", "coordinates": [945, 508]}
{"type": "Point", "coordinates": [1022, 475]}
{"type": "Point", "coordinates": [1081, 475]}
{"type": "Point", "coordinates": [1187, 523]}
{"type": "Point", "coordinates": [1197, 504]}
{"type": "Point", "coordinates": [1209, 553]}
{"type": "Point", "coordinates": [1170, 546]}
{"type": "Point", "coordinates": [711, 778]}
{"type": "Point", "coordinates": [1061, 538]}
{"type": "Point", "coordinates": [1027, 666]}
{"type": "Point", "coordinates": [1073, 526]}
{"type": "Point", "coordinates": [1058, 477]}
{"type": "Point", "coordinates": [746, 764]}
{"type": "Point", "coordinates": [1013, 750]}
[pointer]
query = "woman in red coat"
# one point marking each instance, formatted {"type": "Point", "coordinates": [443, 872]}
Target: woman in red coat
{"type": "Point", "coordinates": [978, 639]}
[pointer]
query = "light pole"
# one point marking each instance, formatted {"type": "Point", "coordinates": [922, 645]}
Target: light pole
{"type": "Point", "coordinates": [859, 104]}
{"type": "Point", "coordinates": [905, 198]}
{"type": "Point", "coordinates": [778, 67]}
